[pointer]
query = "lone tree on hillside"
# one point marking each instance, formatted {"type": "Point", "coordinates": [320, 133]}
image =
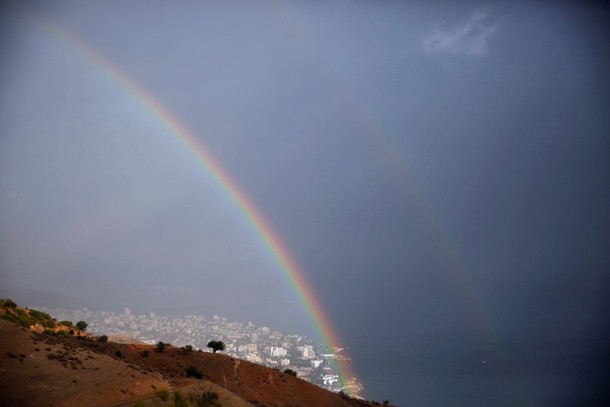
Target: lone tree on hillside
{"type": "Point", "coordinates": [82, 325]}
{"type": "Point", "coordinates": [216, 345]}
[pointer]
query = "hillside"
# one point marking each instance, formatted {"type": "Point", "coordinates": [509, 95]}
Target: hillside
{"type": "Point", "coordinates": [42, 369]}
{"type": "Point", "coordinates": [39, 369]}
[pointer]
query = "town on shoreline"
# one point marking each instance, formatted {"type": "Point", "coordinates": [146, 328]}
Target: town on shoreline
{"type": "Point", "coordinates": [311, 360]}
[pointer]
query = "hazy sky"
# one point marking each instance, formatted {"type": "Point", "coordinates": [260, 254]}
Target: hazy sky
{"type": "Point", "coordinates": [439, 172]}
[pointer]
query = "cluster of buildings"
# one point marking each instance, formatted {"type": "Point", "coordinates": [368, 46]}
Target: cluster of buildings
{"type": "Point", "coordinates": [310, 360]}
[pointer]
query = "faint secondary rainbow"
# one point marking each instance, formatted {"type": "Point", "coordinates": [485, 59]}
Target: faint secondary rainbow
{"type": "Point", "coordinates": [364, 113]}
{"type": "Point", "coordinates": [289, 22]}
{"type": "Point", "coordinates": [292, 273]}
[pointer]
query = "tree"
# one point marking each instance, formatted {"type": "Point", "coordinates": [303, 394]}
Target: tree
{"type": "Point", "coordinates": [216, 345]}
{"type": "Point", "coordinates": [187, 348]}
{"type": "Point", "coordinates": [161, 346]}
{"type": "Point", "coordinates": [82, 325]}
{"type": "Point", "coordinates": [103, 338]}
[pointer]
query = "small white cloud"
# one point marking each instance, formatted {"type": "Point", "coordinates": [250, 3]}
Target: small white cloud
{"type": "Point", "coordinates": [468, 39]}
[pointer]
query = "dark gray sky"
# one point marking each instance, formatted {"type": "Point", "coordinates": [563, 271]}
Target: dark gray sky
{"type": "Point", "coordinates": [437, 171]}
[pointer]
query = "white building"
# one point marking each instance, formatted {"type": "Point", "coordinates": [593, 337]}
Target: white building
{"type": "Point", "coordinates": [278, 351]}
{"type": "Point", "coordinates": [330, 379]}
{"type": "Point", "coordinates": [254, 358]}
{"type": "Point", "coordinates": [316, 363]}
{"type": "Point", "coordinates": [307, 352]}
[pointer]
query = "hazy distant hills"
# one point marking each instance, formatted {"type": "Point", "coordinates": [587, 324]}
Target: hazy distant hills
{"type": "Point", "coordinates": [66, 370]}
{"type": "Point", "coordinates": [48, 298]}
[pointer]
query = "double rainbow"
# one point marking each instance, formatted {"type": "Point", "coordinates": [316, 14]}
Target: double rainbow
{"type": "Point", "coordinates": [244, 205]}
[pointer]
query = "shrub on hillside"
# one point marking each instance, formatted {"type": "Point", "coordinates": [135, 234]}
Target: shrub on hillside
{"type": "Point", "coordinates": [210, 399]}
{"type": "Point", "coordinates": [145, 353]}
{"type": "Point", "coordinates": [192, 371]}
{"type": "Point", "coordinates": [103, 338]}
{"type": "Point", "coordinates": [162, 394]}
{"type": "Point", "coordinates": [50, 323]}
{"type": "Point", "coordinates": [66, 323]}
{"type": "Point", "coordinates": [8, 303]}
{"type": "Point", "coordinates": [82, 325]}
{"type": "Point", "coordinates": [290, 372]}
{"type": "Point", "coordinates": [180, 400]}
{"type": "Point", "coordinates": [40, 316]}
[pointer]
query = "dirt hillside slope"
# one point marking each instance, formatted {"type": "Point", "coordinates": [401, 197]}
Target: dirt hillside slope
{"type": "Point", "coordinates": [258, 384]}
{"type": "Point", "coordinates": [40, 370]}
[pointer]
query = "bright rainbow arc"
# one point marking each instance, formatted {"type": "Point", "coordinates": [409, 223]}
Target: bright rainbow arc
{"type": "Point", "coordinates": [280, 254]}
